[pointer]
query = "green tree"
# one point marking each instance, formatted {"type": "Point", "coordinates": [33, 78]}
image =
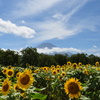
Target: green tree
{"type": "Point", "coordinates": [46, 60]}
{"type": "Point", "coordinates": [10, 57]}
{"type": "Point", "coordinates": [79, 58]}
{"type": "Point", "coordinates": [30, 56]}
{"type": "Point", "coordinates": [93, 59]}
{"type": "Point", "coordinates": [1, 56]}
{"type": "Point", "coordinates": [60, 59]}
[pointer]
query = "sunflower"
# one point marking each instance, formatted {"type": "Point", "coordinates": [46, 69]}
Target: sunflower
{"type": "Point", "coordinates": [16, 87]}
{"type": "Point", "coordinates": [6, 86]}
{"type": "Point", "coordinates": [69, 63]}
{"type": "Point", "coordinates": [25, 79]}
{"type": "Point", "coordinates": [9, 67]}
{"type": "Point", "coordinates": [97, 63]}
{"type": "Point", "coordinates": [60, 78]}
{"type": "Point", "coordinates": [4, 70]}
{"type": "Point", "coordinates": [58, 66]}
{"type": "Point", "coordinates": [23, 95]}
{"type": "Point", "coordinates": [58, 70]}
{"type": "Point", "coordinates": [73, 88]}
{"type": "Point", "coordinates": [45, 69]}
{"type": "Point", "coordinates": [86, 72]}
{"type": "Point", "coordinates": [18, 74]}
{"type": "Point", "coordinates": [10, 73]}
{"type": "Point", "coordinates": [63, 73]}
{"type": "Point", "coordinates": [74, 65]}
{"type": "Point", "coordinates": [79, 64]}
{"type": "Point", "coordinates": [36, 71]}
{"type": "Point", "coordinates": [63, 68]}
{"type": "Point", "coordinates": [54, 72]}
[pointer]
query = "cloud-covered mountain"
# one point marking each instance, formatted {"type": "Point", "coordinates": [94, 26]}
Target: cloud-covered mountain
{"type": "Point", "coordinates": [46, 45]}
{"type": "Point", "coordinates": [49, 48]}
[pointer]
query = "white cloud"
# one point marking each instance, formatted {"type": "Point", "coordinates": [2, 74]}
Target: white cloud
{"type": "Point", "coordinates": [8, 27]}
{"type": "Point", "coordinates": [31, 7]}
{"type": "Point", "coordinates": [57, 29]}
{"type": "Point", "coordinates": [71, 50]}
{"type": "Point", "coordinates": [57, 50]}
{"type": "Point", "coordinates": [72, 7]}
{"type": "Point", "coordinates": [23, 22]}
{"type": "Point", "coordinates": [77, 5]}
{"type": "Point", "coordinates": [94, 46]}
{"type": "Point", "coordinates": [94, 51]}
{"type": "Point", "coordinates": [53, 29]}
{"type": "Point", "coordinates": [61, 28]}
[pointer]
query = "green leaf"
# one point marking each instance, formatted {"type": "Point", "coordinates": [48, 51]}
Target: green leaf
{"type": "Point", "coordinates": [39, 96]}
{"type": "Point", "coordinates": [37, 89]}
{"type": "Point", "coordinates": [84, 98]}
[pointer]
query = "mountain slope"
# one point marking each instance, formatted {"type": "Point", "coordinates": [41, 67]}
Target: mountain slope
{"type": "Point", "coordinates": [44, 45]}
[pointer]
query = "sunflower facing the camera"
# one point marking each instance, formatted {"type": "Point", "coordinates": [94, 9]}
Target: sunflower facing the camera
{"type": "Point", "coordinates": [25, 79]}
{"type": "Point", "coordinates": [10, 73]}
{"type": "Point", "coordinates": [72, 88]}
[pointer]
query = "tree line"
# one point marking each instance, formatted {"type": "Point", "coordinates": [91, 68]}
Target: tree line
{"type": "Point", "coordinates": [30, 56]}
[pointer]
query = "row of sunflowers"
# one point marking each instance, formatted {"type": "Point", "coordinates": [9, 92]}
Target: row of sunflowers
{"type": "Point", "coordinates": [70, 81]}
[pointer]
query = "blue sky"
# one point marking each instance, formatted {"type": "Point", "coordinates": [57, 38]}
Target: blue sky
{"type": "Point", "coordinates": [72, 25]}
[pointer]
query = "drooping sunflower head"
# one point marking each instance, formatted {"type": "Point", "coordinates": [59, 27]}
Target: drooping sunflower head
{"type": "Point", "coordinates": [18, 74]}
{"type": "Point", "coordinates": [25, 80]}
{"type": "Point", "coordinates": [29, 70]}
{"type": "Point", "coordinates": [4, 70]}
{"type": "Point", "coordinates": [10, 73]}
{"type": "Point", "coordinates": [6, 86]}
{"type": "Point", "coordinates": [16, 87]}
{"type": "Point", "coordinates": [36, 71]}
{"type": "Point", "coordinates": [73, 88]}
{"type": "Point", "coordinates": [9, 67]}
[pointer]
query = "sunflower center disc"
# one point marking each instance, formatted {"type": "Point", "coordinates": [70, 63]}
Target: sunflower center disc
{"type": "Point", "coordinates": [5, 87]}
{"type": "Point", "coordinates": [73, 88]}
{"type": "Point", "coordinates": [10, 73]}
{"type": "Point", "coordinates": [25, 80]}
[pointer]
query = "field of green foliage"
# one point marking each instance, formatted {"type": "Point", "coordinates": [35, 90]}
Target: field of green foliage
{"type": "Point", "coordinates": [71, 81]}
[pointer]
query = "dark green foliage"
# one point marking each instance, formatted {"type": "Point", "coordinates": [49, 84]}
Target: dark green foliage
{"type": "Point", "coordinates": [60, 59]}
{"type": "Point", "coordinates": [9, 57]}
{"type": "Point", "coordinates": [32, 57]}
{"type": "Point", "coordinates": [46, 60]}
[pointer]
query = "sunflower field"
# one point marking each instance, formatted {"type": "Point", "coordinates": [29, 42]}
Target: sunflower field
{"type": "Point", "coordinates": [70, 81]}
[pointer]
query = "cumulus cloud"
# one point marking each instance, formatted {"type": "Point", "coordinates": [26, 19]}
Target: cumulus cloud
{"type": "Point", "coordinates": [57, 50]}
{"type": "Point", "coordinates": [71, 50]}
{"type": "Point", "coordinates": [9, 27]}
